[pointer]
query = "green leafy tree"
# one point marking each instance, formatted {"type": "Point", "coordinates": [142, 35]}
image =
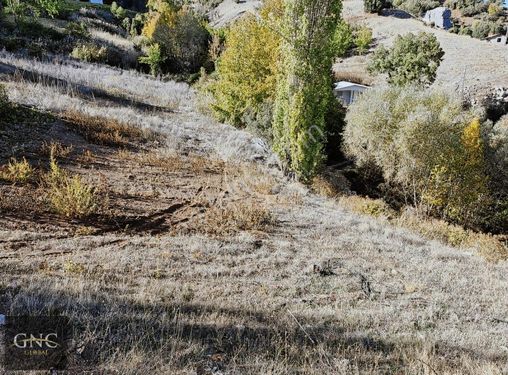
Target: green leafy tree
{"type": "Point", "coordinates": [181, 33]}
{"type": "Point", "coordinates": [413, 59]}
{"type": "Point", "coordinates": [247, 69]}
{"type": "Point", "coordinates": [22, 8]}
{"type": "Point", "coordinates": [304, 84]}
{"type": "Point", "coordinates": [50, 7]}
{"type": "Point", "coordinates": [343, 39]}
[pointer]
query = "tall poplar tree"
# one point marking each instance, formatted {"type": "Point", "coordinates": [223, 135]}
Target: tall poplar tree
{"type": "Point", "coordinates": [304, 88]}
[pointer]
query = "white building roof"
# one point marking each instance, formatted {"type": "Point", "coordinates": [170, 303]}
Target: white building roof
{"type": "Point", "coordinates": [345, 85]}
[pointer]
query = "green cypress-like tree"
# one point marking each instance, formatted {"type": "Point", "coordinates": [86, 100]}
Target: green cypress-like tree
{"type": "Point", "coordinates": [304, 85]}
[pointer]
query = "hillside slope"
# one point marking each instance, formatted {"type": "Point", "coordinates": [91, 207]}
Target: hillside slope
{"type": "Point", "coordinates": [469, 63]}
{"type": "Point", "coordinates": [209, 261]}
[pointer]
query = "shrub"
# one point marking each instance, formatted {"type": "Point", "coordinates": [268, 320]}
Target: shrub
{"type": "Point", "coordinates": [465, 30]}
{"type": "Point", "coordinates": [69, 195]}
{"type": "Point", "coordinates": [50, 7]}
{"type": "Point", "coordinates": [363, 39]}
{"type": "Point", "coordinates": [137, 24]}
{"type": "Point", "coordinates": [413, 59]}
{"type": "Point", "coordinates": [182, 36]}
{"type": "Point", "coordinates": [90, 52]}
{"type": "Point", "coordinates": [482, 28]}
{"type": "Point", "coordinates": [467, 7]}
{"type": "Point", "coordinates": [154, 59]}
{"type": "Point", "coordinates": [427, 146]}
{"type": "Point", "coordinates": [494, 9]}
{"type": "Point", "coordinates": [343, 39]}
{"type": "Point", "coordinates": [22, 8]}
{"type": "Point", "coordinates": [496, 139]}
{"type": "Point", "coordinates": [18, 171]}
{"type": "Point", "coordinates": [118, 11]}
{"type": "Point", "coordinates": [77, 29]}
{"type": "Point", "coordinates": [259, 121]}
{"type": "Point", "coordinates": [373, 6]}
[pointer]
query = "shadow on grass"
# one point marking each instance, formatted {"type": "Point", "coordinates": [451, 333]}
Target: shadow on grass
{"type": "Point", "coordinates": [80, 89]}
{"type": "Point", "coordinates": [196, 336]}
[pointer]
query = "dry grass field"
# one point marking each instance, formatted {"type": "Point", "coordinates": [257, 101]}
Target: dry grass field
{"type": "Point", "coordinates": [201, 258]}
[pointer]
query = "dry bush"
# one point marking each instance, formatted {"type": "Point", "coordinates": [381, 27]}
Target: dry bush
{"type": "Point", "coordinates": [87, 157]}
{"type": "Point", "coordinates": [322, 186]}
{"type": "Point", "coordinates": [367, 206]}
{"type": "Point", "coordinates": [250, 179]}
{"type": "Point", "coordinates": [355, 77]}
{"type": "Point", "coordinates": [489, 246]}
{"type": "Point", "coordinates": [106, 131]}
{"type": "Point", "coordinates": [58, 149]}
{"type": "Point", "coordinates": [69, 195]}
{"type": "Point", "coordinates": [331, 184]}
{"type": "Point", "coordinates": [17, 171]}
{"type": "Point", "coordinates": [231, 217]}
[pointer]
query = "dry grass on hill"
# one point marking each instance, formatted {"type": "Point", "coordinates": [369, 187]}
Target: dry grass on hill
{"type": "Point", "coordinates": [205, 260]}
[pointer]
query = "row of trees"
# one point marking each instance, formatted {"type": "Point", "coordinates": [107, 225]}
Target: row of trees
{"type": "Point", "coordinates": [431, 149]}
{"type": "Point", "coordinates": [282, 87]}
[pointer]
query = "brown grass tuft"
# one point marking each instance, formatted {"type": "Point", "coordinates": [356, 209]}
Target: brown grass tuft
{"type": "Point", "coordinates": [362, 79]}
{"type": "Point", "coordinates": [222, 220]}
{"type": "Point", "coordinates": [58, 149]}
{"type": "Point", "coordinates": [106, 131]}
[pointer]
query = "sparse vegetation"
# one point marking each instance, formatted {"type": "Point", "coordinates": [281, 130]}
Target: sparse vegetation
{"type": "Point", "coordinates": [4, 101]}
{"type": "Point", "coordinates": [105, 131]}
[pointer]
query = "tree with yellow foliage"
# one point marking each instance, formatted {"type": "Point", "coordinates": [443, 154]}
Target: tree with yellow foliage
{"type": "Point", "coordinates": [427, 146]}
{"type": "Point", "coordinates": [181, 35]}
{"type": "Point", "coordinates": [246, 71]}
